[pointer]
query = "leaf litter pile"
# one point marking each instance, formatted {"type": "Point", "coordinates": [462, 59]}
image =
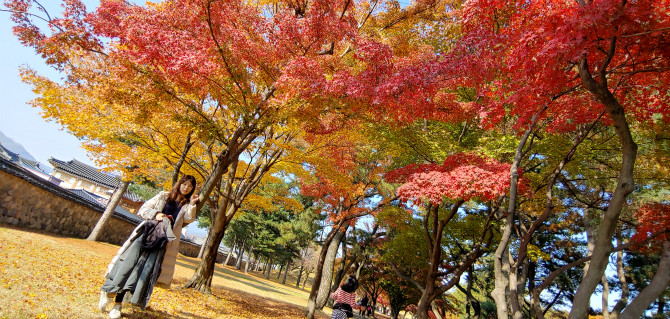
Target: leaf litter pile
{"type": "Point", "coordinates": [48, 276]}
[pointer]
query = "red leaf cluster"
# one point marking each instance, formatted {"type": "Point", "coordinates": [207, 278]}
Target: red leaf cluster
{"type": "Point", "coordinates": [461, 176]}
{"type": "Point", "coordinates": [524, 55]}
{"type": "Point", "coordinates": [393, 89]}
{"type": "Point", "coordinates": [69, 31]}
{"type": "Point", "coordinates": [653, 218]}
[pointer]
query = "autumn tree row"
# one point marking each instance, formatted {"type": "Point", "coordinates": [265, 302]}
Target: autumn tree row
{"type": "Point", "coordinates": [525, 141]}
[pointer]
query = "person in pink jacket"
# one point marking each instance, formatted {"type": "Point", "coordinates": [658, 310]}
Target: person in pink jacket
{"type": "Point", "coordinates": [345, 299]}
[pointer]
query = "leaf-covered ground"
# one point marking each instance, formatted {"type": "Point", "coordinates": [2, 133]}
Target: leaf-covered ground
{"type": "Point", "coordinates": [48, 276]}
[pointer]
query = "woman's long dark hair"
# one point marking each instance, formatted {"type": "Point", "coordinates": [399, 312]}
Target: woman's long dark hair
{"type": "Point", "coordinates": [350, 284]}
{"type": "Point", "coordinates": [176, 194]}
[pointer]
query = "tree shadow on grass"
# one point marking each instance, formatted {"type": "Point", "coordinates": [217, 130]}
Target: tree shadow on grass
{"type": "Point", "coordinates": [232, 276]}
{"type": "Point", "coordinates": [233, 303]}
{"type": "Point", "coordinates": [250, 305]}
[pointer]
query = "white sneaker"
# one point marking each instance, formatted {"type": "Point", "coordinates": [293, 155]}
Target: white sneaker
{"type": "Point", "coordinates": [104, 301]}
{"type": "Point", "coordinates": [116, 312]}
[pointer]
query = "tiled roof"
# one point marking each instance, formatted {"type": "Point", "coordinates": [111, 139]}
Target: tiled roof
{"type": "Point", "coordinates": [86, 172]}
{"type": "Point", "coordinates": [20, 172]}
{"type": "Point", "coordinates": [27, 162]}
{"type": "Point", "coordinates": [133, 197]}
{"type": "Point", "coordinates": [16, 158]}
{"type": "Point", "coordinates": [92, 175]}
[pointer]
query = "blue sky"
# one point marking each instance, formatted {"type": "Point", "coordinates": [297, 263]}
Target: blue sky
{"type": "Point", "coordinates": [20, 121]}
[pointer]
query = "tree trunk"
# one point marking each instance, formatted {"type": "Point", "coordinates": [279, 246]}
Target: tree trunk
{"type": "Point", "coordinates": [471, 302]}
{"type": "Point", "coordinates": [109, 210]}
{"type": "Point", "coordinates": [221, 167]}
{"type": "Point", "coordinates": [431, 277]}
{"type": "Point", "coordinates": [240, 255]}
{"type": "Point", "coordinates": [339, 274]}
{"type": "Point", "coordinates": [522, 281]}
{"type": "Point", "coordinates": [304, 282]}
{"type": "Point", "coordinates": [234, 195]}
{"type": "Point", "coordinates": [532, 274]}
{"type": "Point", "coordinates": [311, 301]}
{"type": "Point", "coordinates": [267, 275]}
{"type": "Point", "coordinates": [202, 277]}
{"type": "Point", "coordinates": [625, 186]}
{"type": "Point", "coordinates": [230, 252]}
{"type": "Point", "coordinates": [514, 295]}
{"type": "Point", "coordinates": [281, 268]}
{"type": "Point", "coordinates": [625, 291]}
{"type": "Point", "coordinates": [297, 282]}
{"type": "Point", "coordinates": [202, 248]}
{"type": "Point", "coordinates": [394, 313]}
{"type": "Point", "coordinates": [246, 267]}
{"type": "Point", "coordinates": [656, 287]}
{"type": "Point", "coordinates": [288, 264]}
{"type": "Point", "coordinates": [501, 264]}
{"type": "Point", "coordinates": [328, 267]}
{"type": "Point", "coordinates": [359, 269]}
{"type": "Point", "coordinates": [590, 219]}
{"type": "Point", "coordinates": [239, 141]}
{"type": "Point", "coordinates": [605, 297]}
{"type": "Point", "coordinates": [424, 305]}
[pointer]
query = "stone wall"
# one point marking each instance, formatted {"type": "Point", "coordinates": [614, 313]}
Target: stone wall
{"type": "Point", "coordinates": [28, 201]}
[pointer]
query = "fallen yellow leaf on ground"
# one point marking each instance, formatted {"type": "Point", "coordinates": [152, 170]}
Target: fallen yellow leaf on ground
{"type": "Point", "coordinates": [49, 276]}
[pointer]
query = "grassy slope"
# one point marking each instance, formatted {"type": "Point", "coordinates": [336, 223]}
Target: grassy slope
{"type": "Point", "coordinates": [48, 276]}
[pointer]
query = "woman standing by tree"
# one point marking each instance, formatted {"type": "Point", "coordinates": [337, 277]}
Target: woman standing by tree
{"type": "Point", "coordinates": [148, 257]}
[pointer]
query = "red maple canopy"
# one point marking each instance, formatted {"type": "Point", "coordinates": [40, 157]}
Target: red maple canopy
{"type": "Point", "coordinates": [461, 176]}
{"type": "Point", "coordinates": [527, 53]}
{"type": "Point", "coordinates": [653, 219]}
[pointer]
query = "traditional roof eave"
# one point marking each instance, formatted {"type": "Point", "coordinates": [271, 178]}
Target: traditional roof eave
{"type": "Point", "coordinates": [91, 174]}
{"type": "Point", "coordinates": [17, 158]}
{"type": "Point", "coordinates": [85, 172]}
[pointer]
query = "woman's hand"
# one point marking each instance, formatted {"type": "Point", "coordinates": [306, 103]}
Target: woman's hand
{"type": "Point", "coordinates": [194, 199]}
{"type": "Point", "coordinates": [160, 216]}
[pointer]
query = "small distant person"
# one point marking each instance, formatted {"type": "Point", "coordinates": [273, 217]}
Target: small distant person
{"type": "Point", "coordinates": [345, 299]}
{"type": "Point", "coordinates": [147, 259]}
{"type": "Point", "coordinates": [364, 305]}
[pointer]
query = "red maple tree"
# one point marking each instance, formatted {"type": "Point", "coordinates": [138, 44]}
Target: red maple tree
{"type": "Point", "coordinates": [568, 62]}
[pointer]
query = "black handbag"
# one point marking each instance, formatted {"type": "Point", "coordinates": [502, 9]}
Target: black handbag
{"type": "Point", "coordinates": [345, 307]}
